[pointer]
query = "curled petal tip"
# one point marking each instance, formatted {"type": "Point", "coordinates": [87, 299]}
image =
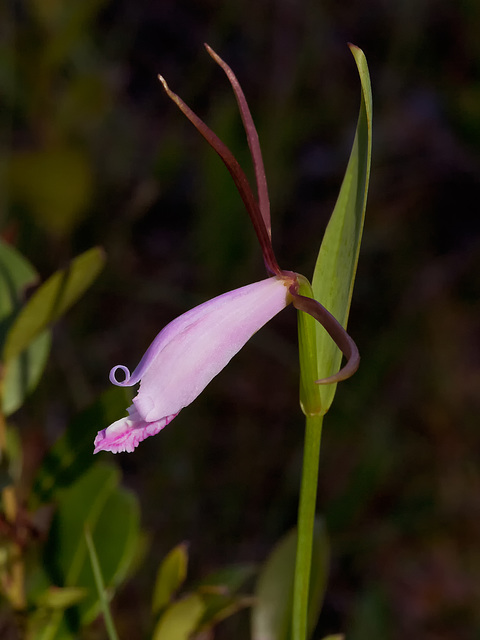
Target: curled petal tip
{"type": "Point", "coordinates": [120, 383]}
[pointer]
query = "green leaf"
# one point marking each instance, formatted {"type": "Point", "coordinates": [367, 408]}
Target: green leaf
{"type": "Point", "coordinates": [112, 516]}
{"type": "Point", "coordinates": [337, 260]}
{"type": "Point", "coordinates": [58, 598]}
{"type": "Point", "coordinates": [101, 589]}
{"type": "Point", "coordinates": [218, 592]}
{"type": "Point", "coordinates": [170, 577]}
{"type": "Point", "coordinates": [115, 536]}
{"type": "Point", "coordinates": [16, 273]}
{"type": "Point", "coordinates": [272, 611]}
{"type": "Point", "coordinates": [23, 373]}
{"type": "Point", "coordinates": [181, 619]}
{"type": "Point", "coordinates": [72, 454]}
{"type": "Point", "coordinates": [52, 300]}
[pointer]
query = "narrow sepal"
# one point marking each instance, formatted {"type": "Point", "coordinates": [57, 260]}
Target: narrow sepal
{"type": "Point", "coordinates": [239, 178]}
{"type": "Point", "coordinates": [252, 138]}
{"type": "Point", "coordinates": [335, 330]}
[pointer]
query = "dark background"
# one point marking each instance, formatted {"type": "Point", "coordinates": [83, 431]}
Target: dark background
{"type": "Point", "coordinates": [97, 154]}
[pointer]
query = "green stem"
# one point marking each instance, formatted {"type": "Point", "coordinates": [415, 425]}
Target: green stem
{"type": "Point", "coordinates": [97, 573]}
{"type": "Point", "coordinates": [306, 520]}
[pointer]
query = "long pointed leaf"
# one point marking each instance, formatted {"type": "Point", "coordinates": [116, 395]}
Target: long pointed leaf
{"type": "Point", "coordinates": [337, 260]}
{"type": "Point", "coordinates": [52, 300]}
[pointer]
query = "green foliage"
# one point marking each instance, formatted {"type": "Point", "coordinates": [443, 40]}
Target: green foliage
{"type": "Point", "coordinates": [195, 613]}
{"type": "Point", "coordinates": [336, 264]}
{"type": "Point", "coordinates": [181, 619]}
{"type": "Point", "coordinates": [22, 373]}
{"type": "Point", "coordinates": [170, 577]}
{"type": "Point", "coordinates": [219, 593]}
{"type": "Point", "coordinates": [272, 611]}
{"type": "Point", "coordinates": [100, 583]}
{"type": "Point", "coordinates": [57, 598]}
{"type": "Point", "coordinates": [52, 300]}
{"type": "Point", "coordinates": [71, 455]}
{"type": "Point", "coordinates": [24, 326]}
{"type": "Point", "coordinates": [333, 281]}
{"type": "Point", "coordinates": [111, 513]}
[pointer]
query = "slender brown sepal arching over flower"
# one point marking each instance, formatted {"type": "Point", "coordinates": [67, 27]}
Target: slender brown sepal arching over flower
{"type": "Point", "coordinates": [239, 178]}
{"type": "Point", "coordinates": [335, 330]}
{"type": "Point", "coordinates": [259, 212]}
{"type": "Point", "coordinates": [252, 138]}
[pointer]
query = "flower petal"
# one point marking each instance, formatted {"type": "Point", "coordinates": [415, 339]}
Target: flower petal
{"type": "Point", "coordinates": [186, 355]}
{"type": "Point", "coordinates": [125, 434]}
{"type": "Point", "coordinates": [195, 347]}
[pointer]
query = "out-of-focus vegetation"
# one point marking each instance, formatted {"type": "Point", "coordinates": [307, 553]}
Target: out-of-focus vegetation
{"type": "Point", "coordinates": [93, 153]}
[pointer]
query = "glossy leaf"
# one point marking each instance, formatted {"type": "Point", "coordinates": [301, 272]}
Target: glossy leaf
{"type": "Point", "coordinates": [181, 619]}
{"type": "Point", "coordinates": [336, 264]}
{"type": "Point", "coordinates": [112, 516]}
{"type": "Point", "coordinates": [22, 373]}
{"type": "Point", "coordinates": [170, 576]}
{"type": "Point", "coordinates": [16, 273]}
{"type": "Point", "coordinates": [52, 300]}
{"type": "Point", "coordinates": [116, 541]}
{"type": "Point", "coordinates": [272, 611]}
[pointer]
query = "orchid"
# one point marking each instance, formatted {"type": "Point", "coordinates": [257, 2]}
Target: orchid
{"type": "Point", "coordinates": [190, 351]}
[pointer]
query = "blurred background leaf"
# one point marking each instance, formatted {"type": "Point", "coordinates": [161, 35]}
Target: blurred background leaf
{"type": "Point", "coordinates": [170, 577]}
{"type": "Point", "coordinates": [22, 374]}
{"type": "Point", "coordinates": [51, 300]}
{"type": "Point", "coordinates": [72, 453]}
{"type": "Point", "coordinates": [112, 515]}
{"type": "Point", "coordinates": [180, 619]}
{"type": "Point", "coordinates": [219, 592]}
{"type": "Point", "coordinates": [272, 611]}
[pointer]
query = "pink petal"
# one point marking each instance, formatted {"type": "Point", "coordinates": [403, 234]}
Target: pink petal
{"type": "Point", "coordinates": [125, 434]}
{"type": "Point", "coordinates": [186, 355]}
{"type": "Point", "coordinates": [190, 351]}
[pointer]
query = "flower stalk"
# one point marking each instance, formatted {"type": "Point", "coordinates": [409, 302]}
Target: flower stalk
{"type": "Point", "coordinates": [305, 525]}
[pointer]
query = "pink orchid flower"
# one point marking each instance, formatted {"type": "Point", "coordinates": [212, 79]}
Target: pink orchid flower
{"type": "Point", "coordinates": [190, 351]}
{"type": "Point", "coordinates": [186, 355]}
